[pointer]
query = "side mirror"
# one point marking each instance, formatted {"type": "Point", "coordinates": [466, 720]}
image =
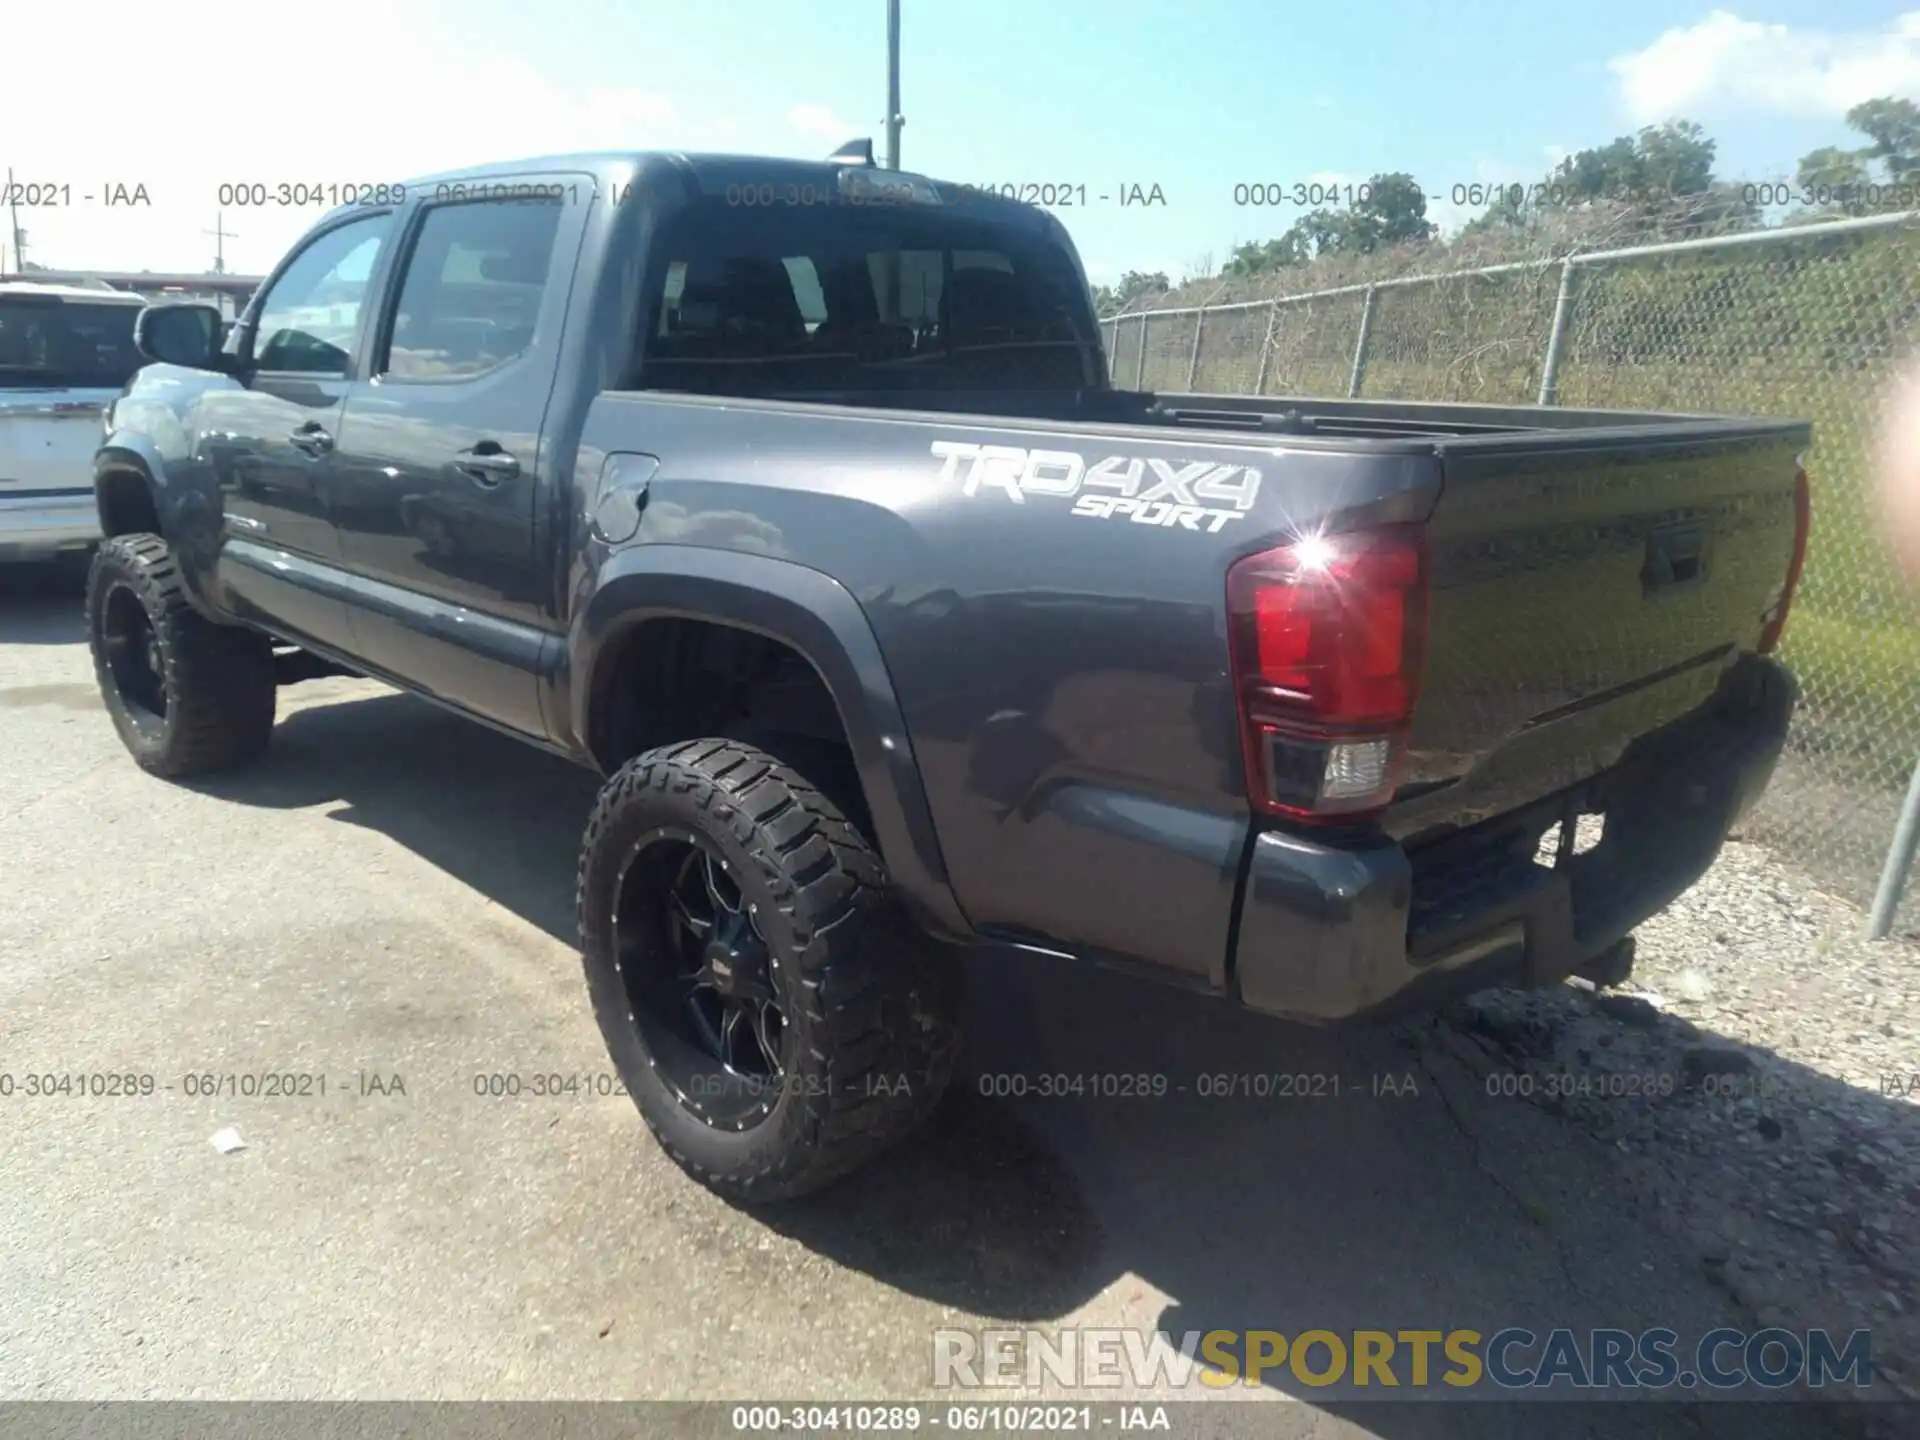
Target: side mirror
{"type": "Point", "coordinates": [183, 334]}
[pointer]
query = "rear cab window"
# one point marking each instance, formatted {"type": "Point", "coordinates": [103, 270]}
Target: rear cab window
{"type": "Point", "coordinates": [53, 342]}
{"type": "Point", "coordinates": [797, 301]}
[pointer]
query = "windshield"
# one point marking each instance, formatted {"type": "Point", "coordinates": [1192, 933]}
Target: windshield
{"type": "Point", "coordinates": [51, 343]}
{"type": "Point", "coordinates": [797, 301]}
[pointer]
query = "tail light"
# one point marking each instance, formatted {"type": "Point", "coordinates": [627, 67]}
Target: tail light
{"type": "Point", "coordinates": [1326, 638]}
{"type": "Point", "coordinates": [1802, 526]}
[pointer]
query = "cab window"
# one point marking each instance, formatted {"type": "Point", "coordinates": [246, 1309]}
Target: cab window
{"type": "Point", "coordinates": [470, 297]}
{"type": "Point", "coordinates": [308, 319]}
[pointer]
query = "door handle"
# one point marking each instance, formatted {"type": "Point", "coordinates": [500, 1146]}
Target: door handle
{"type": "Point", "coordinates": [312, 438]}
{"type": "Point", "coordinates": [486, 463]}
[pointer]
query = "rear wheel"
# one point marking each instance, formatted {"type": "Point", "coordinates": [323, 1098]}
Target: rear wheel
{"type": "Point", "coordinates": [775, 1017]}
{"type": "Point", "coordinates": [187, 695]}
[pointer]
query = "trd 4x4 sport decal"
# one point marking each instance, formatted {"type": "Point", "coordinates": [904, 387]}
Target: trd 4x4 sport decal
{"type": "Point", "coordinates": [1148, 492]}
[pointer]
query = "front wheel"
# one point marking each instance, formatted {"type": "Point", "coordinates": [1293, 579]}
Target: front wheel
{"type": "Point", "coordinates": [775, 1017]}
{"type": "Point", "coordinates": [187, 695]}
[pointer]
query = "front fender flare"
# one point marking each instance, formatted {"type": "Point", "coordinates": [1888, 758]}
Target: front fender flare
{"type": "Point", "coordinates": [122, 453]}
{"type": "Point", "coordinates": [815, 615]}
{"type": "Point", "coordinates": [185, 522]}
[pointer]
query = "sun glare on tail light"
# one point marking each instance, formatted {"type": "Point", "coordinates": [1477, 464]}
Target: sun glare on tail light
{"type": "Point", "coordinates": [1327, 637]}
{"type": "Point", "coordinates": [1315, 553]}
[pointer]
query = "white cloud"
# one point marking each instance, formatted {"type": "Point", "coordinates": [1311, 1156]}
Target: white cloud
{"type": "Point", "coordinates": [320, 115]}
{"type": "Point", "coordinates": [818, 122]}
{"type": "Point", "coordinates": [1726, 63]}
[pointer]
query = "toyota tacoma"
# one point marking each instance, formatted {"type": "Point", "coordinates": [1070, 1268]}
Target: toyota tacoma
{"type": "Point", "coordinates": [795, 499]}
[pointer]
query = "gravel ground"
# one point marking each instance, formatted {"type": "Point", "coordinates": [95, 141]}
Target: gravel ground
{"type": "Point", "coordinates": [390, 891]}
{"type": "Point", "coordinates": [1835, 832]}
{"type": "Point", "coordinates": [1783, 1140]}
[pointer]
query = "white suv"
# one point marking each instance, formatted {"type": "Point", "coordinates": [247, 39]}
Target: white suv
{"type": "Point", "coordinates": [66, 352]}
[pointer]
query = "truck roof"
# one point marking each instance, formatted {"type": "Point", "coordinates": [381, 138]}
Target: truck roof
{"type": "Point", "coordinates": [709, 169]}
{"type": "Point", "coordinates": [617, 161]}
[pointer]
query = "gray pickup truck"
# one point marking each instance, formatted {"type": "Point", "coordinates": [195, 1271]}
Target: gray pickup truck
{"type": "Point", "coordinates": [795, 500]}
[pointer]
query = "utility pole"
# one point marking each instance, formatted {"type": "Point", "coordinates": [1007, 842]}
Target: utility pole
{"type": "Point", "coordinates": [221, 235]}
{"type": "Point", "coordinates": [894, 118]}
{"type": "Point", "coordinates": [19, 235]}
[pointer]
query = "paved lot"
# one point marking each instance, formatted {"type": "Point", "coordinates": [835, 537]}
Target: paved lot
{"type": "Point", "coordinates": [389, 895]}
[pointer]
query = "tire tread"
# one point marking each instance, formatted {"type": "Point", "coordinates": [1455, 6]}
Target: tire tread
{"type": "Point", "coordinates": [882, 1003]}
{"type": "Point", "coordinates": [222, 691]}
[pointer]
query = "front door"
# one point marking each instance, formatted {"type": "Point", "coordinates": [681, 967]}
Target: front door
{"type": "Point", "coordinates": [440, 448]}
{"type": "Point", "coordinates": [271, 440]}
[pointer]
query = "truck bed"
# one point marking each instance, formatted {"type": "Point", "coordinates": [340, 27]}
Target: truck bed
{"type": "Point", "coordinates": [1059, 638]}
{"type": "Point", "coordinates": [1402, 427]}
{"type": "Point", "coordinates": [1307, 417]}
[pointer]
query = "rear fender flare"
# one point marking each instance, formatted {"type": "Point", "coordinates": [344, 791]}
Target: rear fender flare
{"type": "Point", "coordinates": [814, 615]}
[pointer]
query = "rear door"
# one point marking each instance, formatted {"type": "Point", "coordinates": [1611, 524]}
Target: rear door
{"type": "Point", "coordinates": [440, 460]}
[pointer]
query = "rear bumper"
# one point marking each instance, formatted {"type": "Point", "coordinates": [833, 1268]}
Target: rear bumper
{"type": "Point", "coordinates": [41, 524]}
{"type": "Point", "coordinates": [1330, 934]}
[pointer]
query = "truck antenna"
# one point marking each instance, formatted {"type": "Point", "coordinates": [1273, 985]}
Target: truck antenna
{"type": "Point", "coordinates": [854, 152]}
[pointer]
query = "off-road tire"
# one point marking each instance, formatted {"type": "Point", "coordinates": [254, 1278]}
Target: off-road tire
{"type": "Point", "coordinates": [218, 679]}
{"type": "Point", "coordinates": [871, 1007]}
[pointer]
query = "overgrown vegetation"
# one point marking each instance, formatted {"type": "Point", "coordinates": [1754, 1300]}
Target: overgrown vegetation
{"type": "Point", "coordinates": [1656, 185]}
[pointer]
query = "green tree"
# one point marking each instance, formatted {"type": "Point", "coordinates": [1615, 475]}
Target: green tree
{"type": "Point", "coordinates": [1659, 162]}
{"type": "Point", "coordinates": [1833, 172]}
{"type": "Point", "coordinates": [1674, 159]}
{"type": "Point", "coordinates": [1256, 258]}
{"type": "Point", "coordinates": [1391, 210]}
{"type": "Point", "coordinates": [1648, 185]}
{"type": "Point", "coordinates": [1507, 211]}
{"type": "Point", "coordinates": [1894, 128]}
{"type": "Point", "coordinates": [1601, 172]}
{"type": "Point", "coordinates": [1394, 211]}
{"type": "Point", "coordinates": [1137, 285]}
{"type": "Point", "coordinates": [1842, 181]}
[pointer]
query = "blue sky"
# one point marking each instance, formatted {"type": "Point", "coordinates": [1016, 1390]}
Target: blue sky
{"type": "Point", "coordinates": [1194, 97]}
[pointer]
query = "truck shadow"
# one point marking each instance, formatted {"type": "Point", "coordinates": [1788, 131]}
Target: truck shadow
{"type": "Point", "coordinates": [1160, 1158]}
{"type": "Point", "coordinates": [41, 604]}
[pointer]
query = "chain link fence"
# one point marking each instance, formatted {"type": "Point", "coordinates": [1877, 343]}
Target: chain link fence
{"type": "Point", "coordinates": [1804, 322]}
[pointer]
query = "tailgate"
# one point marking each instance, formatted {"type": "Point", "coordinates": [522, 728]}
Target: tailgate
{"type": "Point", "coordinates": [1587, 587]}
{"type": "Point", "coordinates": [47, 439]}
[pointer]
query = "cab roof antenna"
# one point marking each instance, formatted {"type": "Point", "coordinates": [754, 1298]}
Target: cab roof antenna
{"type": "Point", "coordinates": [854, 152]}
